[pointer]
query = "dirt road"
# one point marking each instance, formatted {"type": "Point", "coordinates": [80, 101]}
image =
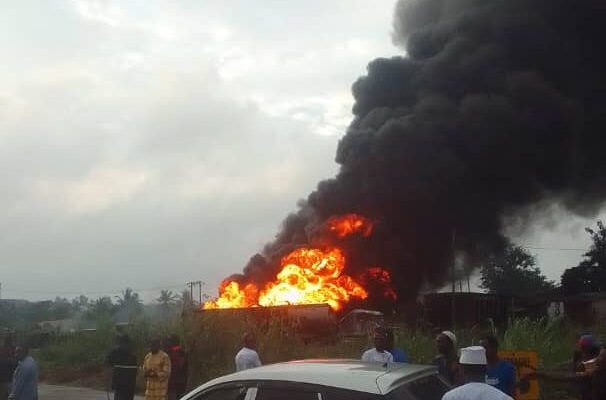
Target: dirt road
{"type": "Point", "coordinates": [52, 392]}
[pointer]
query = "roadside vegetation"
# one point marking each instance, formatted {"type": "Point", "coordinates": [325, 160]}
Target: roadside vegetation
{"type": "Point", "coordinates": [212, 339]}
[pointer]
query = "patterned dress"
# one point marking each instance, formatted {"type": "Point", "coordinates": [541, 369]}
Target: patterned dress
{"type": "Point", "coordinates": [157, 386]}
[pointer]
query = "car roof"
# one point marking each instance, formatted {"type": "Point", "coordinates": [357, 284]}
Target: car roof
{"type": "Point", "coordinates": [355, 375]}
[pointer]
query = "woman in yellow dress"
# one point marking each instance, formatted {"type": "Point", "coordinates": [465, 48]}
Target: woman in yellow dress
{"type": "Point", "coordinates": [156, 369]}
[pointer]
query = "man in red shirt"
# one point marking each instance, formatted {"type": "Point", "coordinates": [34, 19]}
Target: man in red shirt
{"type": "Point", "coordinates": [177, 383]}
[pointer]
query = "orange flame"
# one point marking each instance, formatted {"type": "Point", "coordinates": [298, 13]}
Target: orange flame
{"type": "Point", "coordinates": [311, 276]}
{"type": "Point", "coordinates": [349, 224]}
{"type": "Point", "coordinates": [308, 276]}
{"type": "Point", "coordinates": [234, 297]}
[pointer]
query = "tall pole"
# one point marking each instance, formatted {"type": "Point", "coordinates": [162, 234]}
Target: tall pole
{"type": "Point", "coordinates": [452, 298]}
{"type": "Point", "coordinates": [191, 291]}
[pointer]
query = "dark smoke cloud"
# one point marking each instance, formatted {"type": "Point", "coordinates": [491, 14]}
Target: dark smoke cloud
{"type": "Point", "coordinates": [498, 105]}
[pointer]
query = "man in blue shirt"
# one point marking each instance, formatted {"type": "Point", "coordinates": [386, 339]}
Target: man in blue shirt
{"type": "Point", "coordinates": [398, 355]}
{"type": "Point", "coordinates": [25, 379]}
{"type": "Point", "coordinates": [499, 373]}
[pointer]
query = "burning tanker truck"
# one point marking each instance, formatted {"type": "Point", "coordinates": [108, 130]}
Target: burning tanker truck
{"type": "Point", "coordinates": [312, 282]}
{"type": "Point", "coordinates": [310, 275]}
{"type": "Point", "coordinates": [496, 113]}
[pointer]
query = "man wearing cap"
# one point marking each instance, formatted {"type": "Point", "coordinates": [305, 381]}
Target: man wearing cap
{"type": "Point", "coordinates": [499, 373]}
{"type": "Point", "coordinates": [123, 361]}
{"type": "Point", "coordinates": [473, 361]}
{"type": "Point", "coordinates": [379, 353]}
{"type": "Point", "coordinates": [446, 360]}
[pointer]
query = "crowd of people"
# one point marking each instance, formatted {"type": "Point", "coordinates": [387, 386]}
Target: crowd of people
{"type": "Point", "coordinates": [475, 372]}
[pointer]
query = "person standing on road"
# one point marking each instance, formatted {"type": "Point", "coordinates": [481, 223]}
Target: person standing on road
{"type": "Point", "coordinates": [25, 378]}
{"type": "Point", "coordinates": [379, 353]}
{"type": "Point", "coordinates": [247, 357]}
{"type": "Point", "coordinates": [7, 367]}
{"type": "Point", "coordinates": [177, 383]}
{"type": "Point", "coordinates": [156, 369]}
{"type": "Point", "coordinates": [499, 373]}
{"type": "Point", "coordinates": [124, 369]}
{"type": "Point", "coordinates": [447, 360]}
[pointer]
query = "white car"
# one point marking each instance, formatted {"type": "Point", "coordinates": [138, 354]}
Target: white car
{"type": "Point", "coordinates": [326, 380]}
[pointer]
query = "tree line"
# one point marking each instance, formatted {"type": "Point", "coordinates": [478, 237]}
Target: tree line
{"type": "Point", "coordinates": [514, 271]}
{"type": "Point", "coordinates": [126, 306]}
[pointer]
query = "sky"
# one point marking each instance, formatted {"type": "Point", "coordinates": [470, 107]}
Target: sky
{"type": "Point", "coordinates": [146, 143]}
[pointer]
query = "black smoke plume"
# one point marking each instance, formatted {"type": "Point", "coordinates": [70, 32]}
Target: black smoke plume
{"type": "Point", "coordinates": [497, 105]}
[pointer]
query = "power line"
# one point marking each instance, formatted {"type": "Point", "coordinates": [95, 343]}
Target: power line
{"type": "Point", "coordinates": [552, 248]}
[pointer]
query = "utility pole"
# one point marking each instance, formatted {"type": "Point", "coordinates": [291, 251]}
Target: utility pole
{"type": "Point", "coordinates": [191, 290]}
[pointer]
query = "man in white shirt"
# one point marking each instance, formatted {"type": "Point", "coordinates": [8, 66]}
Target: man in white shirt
{"type": "Point", "coordinates": [473, 361]}
{"type": "Point", "coordinates": [475, 391]}
{"type": "Point", "coordinates": [379, 353]}
{"type": "Point", "coordinates": [247, 357]}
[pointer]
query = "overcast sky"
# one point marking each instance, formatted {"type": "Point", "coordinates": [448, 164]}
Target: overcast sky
{"type": "Point", "coordinates": [146, 144]}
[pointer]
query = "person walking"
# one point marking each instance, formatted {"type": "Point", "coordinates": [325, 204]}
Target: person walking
{"type": "Point", "coordinates": [247, 357]}
{"type": "Point", "coordinates": [7, 367]}
{"type": "Point", "coordinates": [177, 383]}
{"type": "Point", "coordinates": [25, 379]}
{"type": "Point", "coordinates": [379, 353]}
{"type": "Point", "coordinates": [447, 360]}
{"type": "Point", "coordinates": [124, 369]}
{"type": "Point", "coordinates": [156, 370]}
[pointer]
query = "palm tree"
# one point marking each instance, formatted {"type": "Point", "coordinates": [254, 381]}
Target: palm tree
{"type": "Point", "coordinates": [103, 306]}
{"type": "Point", "coordinates": [167, 297]}
{"type": "Point", "coordinates": [129, 301]}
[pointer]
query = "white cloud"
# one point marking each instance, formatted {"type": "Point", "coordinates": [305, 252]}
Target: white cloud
{"type": "Point", "coordinates": [147, 143]}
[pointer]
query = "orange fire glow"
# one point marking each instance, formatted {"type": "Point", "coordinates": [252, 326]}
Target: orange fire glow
{"type": "Point", "coordinates": [308, 276]}
{"type": "Point", "coordinates": [312, 276]}
{"type": "Point", "coordinates": [349, 224]}
{"type": "Point", "coordinates": [232, 296]}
